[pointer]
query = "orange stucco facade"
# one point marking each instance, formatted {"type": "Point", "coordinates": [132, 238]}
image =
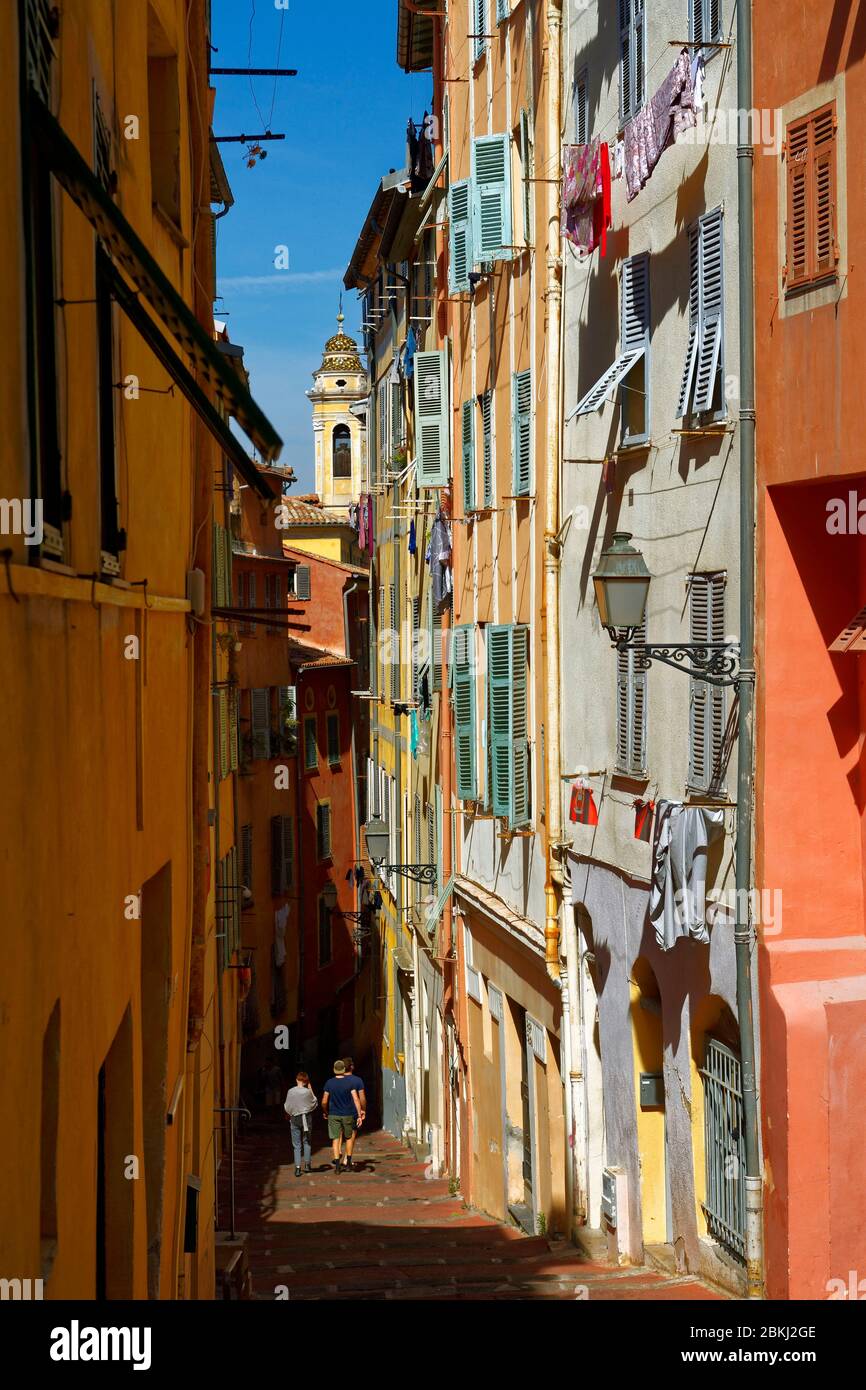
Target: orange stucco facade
{"type": "Point", "coordinates": [811, 581]}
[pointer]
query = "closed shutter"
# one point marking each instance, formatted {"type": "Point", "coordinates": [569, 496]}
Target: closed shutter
{"type": "Point", "coordinates": [288, 852]}
{"type": "Point", "coordinates": [519, 811]}
{"type": "Point", "coordinates": [709, 358]}
{"type": "Point", "coordinates": [251, 600]}
{"type": "Point", "coordinates": [632, 57]}
{"type": "Point", "coordinates": [491, 210]}
{"type": "Point", "coordinates": [434, 627]}
{"type": "Point", "coordinates": [247, 857]}
{"type": "Point", "coordinates": [223, 733]}
{"type": "Point", "coordinates": [459, 235]}
{"type": "Point", "coordinates": [396, 414]}
{"type": "Point", "coordinates": [634, 328]}
{"type": "Point", "coordinates": [260, 708]}
{"type": "Point", "coordinates": [39, 46]}
{"type": "Point", "coordinates": [302, 582]}
{"type": "Point", "coordinates": [799, 181]}
{"type": "Point", "coordinates": [432, 423]}
{"type": "Point", "coordinates": [464, 712]}
{"type": "Point", "coordinates": [467, 414]}
{"type": "Point", "coordinates": [233, 730]}
{"type": "Point", "coordinates": [705, 22]}
{"type": "Point", "coordinates": [383, 429]}
{"type": "Point", "coordinates": [521, 433]}
{"type": "Point", "coordinates": [218, 576]}
{"type": "Point", "coordinates": [323, 831]}
{"type": "Point", "coordinates": [631, 711]}
{"type": "Point", "coordinates": [333, 732]}
{"type": "Point", "coordinates": [581, 108]}
{"type": "Point", "coordinates": [499, 684]}
{"type": "Point", "coordinates": [707, 703]}
{"type": "Point", "coordinates": [431, 836]}
{"type": "Point", "coordinates": [487, 436]}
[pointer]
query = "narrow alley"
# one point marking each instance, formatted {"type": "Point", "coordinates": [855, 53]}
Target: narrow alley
{"type": "Point", "coordinates": [387, 1231]}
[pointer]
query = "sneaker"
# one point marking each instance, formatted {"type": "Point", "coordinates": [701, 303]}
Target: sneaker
{"type": "Point", "coordinates": [337, 1165]}
{"type": "Point", "coordinates": [297, 1172]}
{"type": "Point", "coordinates": [308, 1168]}
{"type": "Point", "coordinates": [348, 1166]}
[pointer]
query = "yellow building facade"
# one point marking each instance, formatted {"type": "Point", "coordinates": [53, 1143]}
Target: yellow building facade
{"type": "Point", "coordinates": [118, 1033]}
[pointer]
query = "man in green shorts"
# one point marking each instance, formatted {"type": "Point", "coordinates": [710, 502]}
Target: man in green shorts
{"type": "Point", "coordinates": [341, 1107]}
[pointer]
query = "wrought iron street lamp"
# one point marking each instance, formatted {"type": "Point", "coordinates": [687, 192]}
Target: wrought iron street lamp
{"type": "Point", "coordinates": [622, 583]}
{"type": "Point", "coordinates": [378, 840]}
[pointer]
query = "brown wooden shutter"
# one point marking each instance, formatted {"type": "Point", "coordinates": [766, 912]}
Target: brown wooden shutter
{"type": "Point", "coordinates": [811, 238]}
{"type": "Point", "coordinates": [799, 199]}
{"type": "Point", "coordinates": [824, 179]}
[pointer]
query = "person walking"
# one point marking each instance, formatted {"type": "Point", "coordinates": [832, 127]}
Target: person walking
{"type": "Point", "coordinates": [362, 1094]}
{"type": "Point", "coordinates": [341, 1106]}
{"type": "Point", "coordinates": [299, 1106]}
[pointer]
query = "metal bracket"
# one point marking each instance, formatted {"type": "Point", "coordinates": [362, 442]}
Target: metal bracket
{"type": "Point", "coordinates": [717, 663]}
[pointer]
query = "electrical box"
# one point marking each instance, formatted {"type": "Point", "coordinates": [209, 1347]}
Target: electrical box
{"type": "Point", "coordinates": [652, 1090]}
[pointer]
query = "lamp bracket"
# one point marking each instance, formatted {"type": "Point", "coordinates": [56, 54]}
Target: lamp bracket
{"type": "Point", "coordinates": [717, 663]}
{"type": "Point", "coordinates": [420, 873]}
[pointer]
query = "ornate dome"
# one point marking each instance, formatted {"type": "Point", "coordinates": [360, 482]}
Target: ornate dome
{"type": "Point", "coordinates": [341, 352]}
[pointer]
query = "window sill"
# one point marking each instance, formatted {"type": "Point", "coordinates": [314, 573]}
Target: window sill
{"type": "Point", "coordinates": [167, 221]}
{"type": "Point", "coordinates": [632, 450]}
{"type": "Point", "coordinates": [804, 286]}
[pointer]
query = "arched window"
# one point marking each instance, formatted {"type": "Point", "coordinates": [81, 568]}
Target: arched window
{"type": "Point", "coordinates": [342, 452]}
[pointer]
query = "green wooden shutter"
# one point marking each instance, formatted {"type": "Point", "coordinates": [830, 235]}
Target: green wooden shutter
{"type": "Point", "coordinates": [519, 813]}
{"type": "Point", "coordinates": [499, 731]}
{"type": "Point", "coordinates": [503, 10]}
{"type": "Point", "coordinates": [233, 730]}
{"type": "Point", "coordinates": [464, 712]}
{"type": "Point", "coordinates": [260, 710]}
{"type": "Point", "coordinates": [521, 433]}
{"type": "Point", "coordinates": [491, 207]}
{"type": "Point", "coordinates": [223, 732]}
{"type": "Point", "coordinates": [708, 368]}
{"type": "Point", "coordinates": [217, 575]}
{"type": "Point", "coordinates": [487, 437]}
{"type": "Point", "coordinates": [432, 423]}
{"type": "Point", "coordinates": [459, 235]}
{"type": "Point", "coordinates": [479, 20]}
{"type": "Point", "coordinates": [468, 438]}
{"type": "Point", "coordinates": [302, 582]}
{"type": "Point", "coordinates": [323, 829]}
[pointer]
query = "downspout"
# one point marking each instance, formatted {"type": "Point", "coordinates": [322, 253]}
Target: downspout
{"type": "Point", "coordinates": [746, 681]}
{"type": "Point", "coordinates": [299, 859]}
{"type": "Point", "coordinates": [355, 798]}
{"type": "Point", "coordinates": [550, 615]}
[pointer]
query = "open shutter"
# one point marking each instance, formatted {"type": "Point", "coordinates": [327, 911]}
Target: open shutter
{"type": "Point", "coordinates": [491, 174]}
{"type": "Point", "coordinates": [464, 712]}
{"type": "Point", "coordinates": [625, 67]}
{"type": "Point", "coordinates": [799, 171]}
{"type": "Point", "coordinates": [233, 730]}
{"type": "Point", "coordinates": [499, 684]}
{"type": "Point", "coordinates": [696, 22]}
{"type": "Point", "coordinates": [526, 161]}
{"type": "Point", "coordinates": [634, 334]}
{"type": "Point", "coordinates": [637, 751]}
{"type": "Point", "coordinates": [260, 706]}
{"type": "Point", "coordinates": [302, 582]}
{"type": "Point", "coordinates": [824, 184]}
{"type": "Point", "coordinates": [467, 414]}
{"type": "Point", "coordinates": [638, 54]}
{"type": "Point", "coordinates": [487, 435]}
{"type": "Point", "coordinates": [479, 20]}
{"type": "Point", "coordinates": [394, 642]}
{"type": "Point", "coordinates": [434, 626]}
{"type": "Point", "coordinates": [247, 857]}
{"type": "Point", "coordinates": [276, 856]}
{"type": "Point", "coordinates": [324, 812]}
{"type": "Point", "coordinates": [503, 10]}
{"type": "Point", "coordinates": [396, 414]}
{"type": "Point", "coordinates": [519, 811]}
{"type": "Point", "coordinates": [684, 403]}
{"type": "Point", "coordinates": [416, 638]}
{"type": "Point", "coordinates": [521, 433]}
{"type": "Point", "coordinates": [581, 108]}
{"type": "Point", "coordinates": [623, 667]}
{"type": "Point", "coordinates": [717, 696]}
{"type": "Point", "coordinates": [223, 732]}
{"type": "Point", "coordinates": [711, 311]}
{"type": "Point", "coordinates": [432, 425]}
{"type": "Point", "coordinates": [459, 235]}
{"type": "Point", "coordinates": [707, 705]}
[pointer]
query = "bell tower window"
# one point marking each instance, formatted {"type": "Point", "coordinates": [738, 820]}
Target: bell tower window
{"type": "Point", "coordinates": [342, 452]}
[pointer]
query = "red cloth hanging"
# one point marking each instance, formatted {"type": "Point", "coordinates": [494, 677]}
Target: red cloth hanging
{"type": "Point", "coordinates": [643, 820]}
{"type": "Point", "coordinates": [601, 216]}
{"type": "Point", "coordinates": [583, 809]}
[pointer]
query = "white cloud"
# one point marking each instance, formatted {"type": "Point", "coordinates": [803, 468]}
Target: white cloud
{"type": "Point", "coordinates": [287, 279]}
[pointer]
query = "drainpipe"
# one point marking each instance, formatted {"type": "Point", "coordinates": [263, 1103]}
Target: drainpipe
{"type": "Point", "coordinates": [746, 683]}
{"type": "Point", "coordinates": [354, 754]}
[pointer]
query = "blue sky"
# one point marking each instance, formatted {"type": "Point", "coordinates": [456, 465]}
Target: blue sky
{"type": "Point", "coordinates": [344, 117]}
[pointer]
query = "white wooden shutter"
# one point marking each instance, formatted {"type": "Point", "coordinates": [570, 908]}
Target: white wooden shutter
{"type": "Point", "coordinates": [707, 703]}
{"type": "Point", "coordinates": [491, 177]}
{"type": "Point", "coordinates": [432, 421]}
{"type": "Point", "coordinates": [459, 235]}
{"type": "Point", "coordinates": [634, 334]}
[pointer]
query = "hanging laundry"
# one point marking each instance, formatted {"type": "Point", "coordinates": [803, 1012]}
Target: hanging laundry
{"type": "Point", "coordinates": [583, 810]}
{"type": "Point", "coordinates": [439, 559]}
{"type": "Point", "coordinates": [376, 904]}
{"type": "Point", "coordinates": [411, 349]}
{"type": "Point", "coordinates": [363, 520]}
{"type": "Point", "coordinates": [698, 72]}
{"type": "Point", "coordinates": [659, 122]}
{"type": "Point", "coordinates": [354, 516]}
{"type": "Point", "coordinates": [586, 196]}
{"type": "Point", "coordinates": [424, 694]}
{"type": "Point", "coordinates": [643, 820]}
{"type": "Point", "coordinates": [360, 876]}
{"type": "Point", "coordinates": [422, 167]}
{"type": "Point", "coordinates": [412, 546]}
{"type": "Point", "coordinates": [678, 892]}
{"type": "Point", "coordinates": [618, 161]}
{"type": "Point", "coordinates": [413, 733]}
{"type": "Point", "coordinates": [394, 372]}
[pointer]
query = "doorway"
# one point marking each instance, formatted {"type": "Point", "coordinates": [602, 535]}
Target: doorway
{"type": "Point", "coordinates": [115, 1187]}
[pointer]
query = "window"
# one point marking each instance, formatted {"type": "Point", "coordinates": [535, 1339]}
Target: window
{"type": "Point", "coordinates": [112, 539]}
{"type": "Point", "coordinates": [634, 328]}
{"type": "Point", "coordinates": [228, 907]}
{"type": "Point", "coordinates": [491, 209]}
{"type": "Point", "coordinates": [581, 108]}
{"type": "Point", "coordinates": [705, 23]}
{"type": "Point", "coordinates": [631, 711]}
{"type": "Point", "coordinates": [632, 58]}
{"type": "Point", "coordinates": [467, 418]}
{"type": "Point", "coordinates": [811, 235]}
{"type": "Point", "coordinates": [40, 248]}
{"type": "Point", "coordinates": [394, 640]}
{"type": "Point", "coordinates": [342, 451]}
{"type": "Point", "coordinates": [163, 116]}
{"type": "Point", "coordinates": [333, 729]}
{"type": "Point", "coordinates": [323, 830]}
{"type": "Point", "coordinates": [464, 713]}
{"type": "Point", "coordinates": [724, 1147]}
{"type": "Point", "coordinates": [221, 752]}
{"type": "Point", "coordinates": [521, 433]}
{"type": "Point", "coordinates": [432, 419]}
{"type": "Point", "coordinates": [299, 583]}
{"type": "Point", "coordinates": [325, 933]}
{"type": "Point", "coordinates": [247, 859]}
{"type": "Point", "coordinates": [487, 442]}
{"type": "Point", "coordinates": [703, 375]}
{"type": "Point", "coordinates": [479, 21]}
{"type": "Point", "coordinates": [459, 235]}
{"type": "Point", "coordinates": [251, 603]}
{"type": "Point", "coordinates": [527, 161]}
{"type": "Point", "coordinates": [260, 723]}
{"type": "Point", "coordinates": [507, 677]}
{"type": "Point", "coordinates": [221, 589]}
{"type": "Point", "coordinates": [311, 743]}
{"type": "Point", "coordinates": [282, 855]}
{"type": "Point", "coordinates": [286, 736]}
{"type": "Point", "coordinates": [707, 703]}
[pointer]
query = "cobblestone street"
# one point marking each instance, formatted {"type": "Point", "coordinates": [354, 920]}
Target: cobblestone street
{"type": "Point", "coordinates": [386, 1231]}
